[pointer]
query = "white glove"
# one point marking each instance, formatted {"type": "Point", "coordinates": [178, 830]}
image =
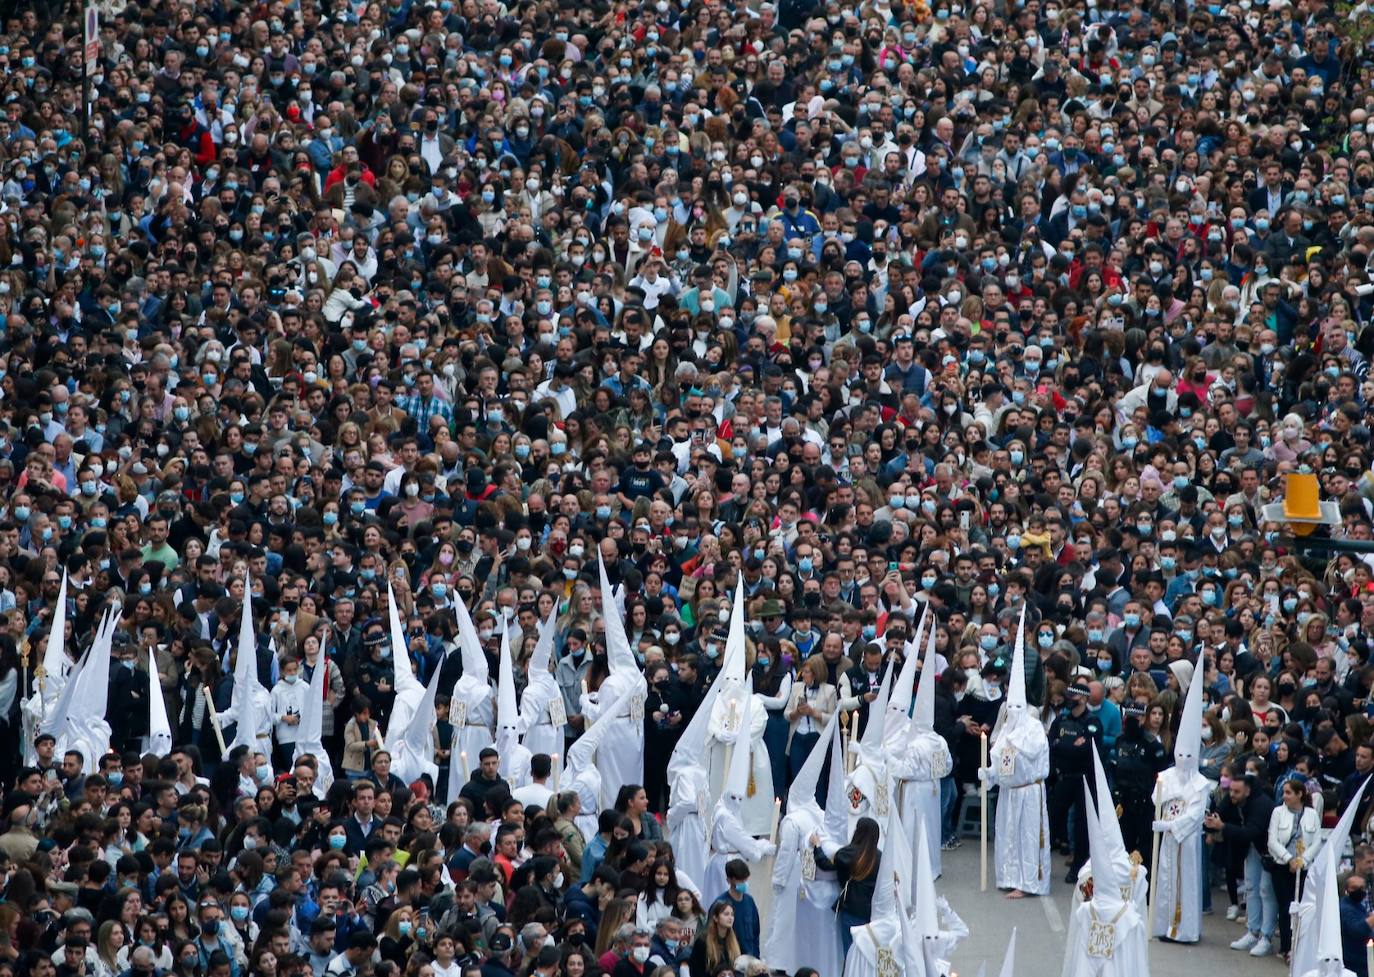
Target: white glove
{"type": "Point", "coordinates": [769, 849]}
{"type": "Point", "coordinates": [1159, 826]}
{"type": "Point", "coordinates": [985, 775]}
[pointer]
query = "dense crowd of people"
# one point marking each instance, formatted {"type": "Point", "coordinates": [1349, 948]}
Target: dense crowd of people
{"type": "Point", "coordinates": [386, 320]}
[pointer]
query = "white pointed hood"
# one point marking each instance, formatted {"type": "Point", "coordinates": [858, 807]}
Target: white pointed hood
{"type": "Point", "coordinates": [885, 888]}
{"type": "Point", "coordinates": [1016, 681]}
{"type": "Point", "coordinates": [741, 760]}
{"type": "Point", "coordinates": [542, 688]}
{"type": "Point", "coordinates": [620, 657]}
{"type": "Point", "coordinates": [407, 685]}
{"type": "Point", "coordinates": [515, 758]}
{"type": "Point", "coordinates": [312, 725]}
{"type": "Point", "coordinates": [802, 793]}
{"type": "Point", "coordinates": [1188, 743]}
{"type": "Point", "coordinates": [691, 746]}
{"type": "Point", "coordinates": [412, 752]}
{"type": "Point", "coordinates": [159, 727]}
{"type": "Point", "coordinates": [897, 715]}
{"type": "Point", "coordinates": [871, 740]}
{"type": "Point", "coordinates": [507, 714]}
{"type": "Point", "coordinates": [244, 702]}
{"type": "Point", "coordinates": [474, 661]}
{"type": "Point", "coordinates": [56, 664]}
{"type": "Point", "coordinates": [1106, 898]}
{"type": "Point", "coordinates": [1330, 959]}
{"type": "Point", "coordinates": [733, 665]}
{"type": "Point", "coordinates": [312, 710]}
{"type": "Point", "coordinates": [62, 706]}
{"type": "Point", "coordinates": [925, 903]}
{"type": "Point", "coordinates": [1009, 961]}
{"type": "Point", "coordinates": [923, 716]}
{"type": "Point", "coordinates": [836, 794]}
{"type": "Point", "coordinates": [1107, 822]}
{"type": "Point", "coordinates": [1304, 937]}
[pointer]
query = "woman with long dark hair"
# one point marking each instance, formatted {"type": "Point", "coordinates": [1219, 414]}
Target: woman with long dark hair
{"type": "Point", "coordinates": [856, 867]}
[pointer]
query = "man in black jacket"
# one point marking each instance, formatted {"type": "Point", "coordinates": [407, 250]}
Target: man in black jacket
{"type": "Point", "coordinates": [1073, 737]}
{"type": "Point", "coordinates": [1242, 819]}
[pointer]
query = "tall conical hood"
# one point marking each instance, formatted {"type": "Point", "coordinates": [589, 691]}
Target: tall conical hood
{"type": "Point", "coordinates": [507, 713]}
{"type": "Point", "coordinates": [97, 657]}
{"type": "Point", "coordinates": [1106, 884]}
{"type": "Point", "coordinates": [474, 661]}
{"type": "Point", "coordinates": [885, 887]}
{"type": "Point", "coordinates": [741, 760]}
{"type": "Point", "coordinates": [91, 692]}
{"type": "Point", "coordinates": [582, 754]}
{"type": "Point", "coordinates": [803, 789]}
{"type": "Point", "coordinates": [836, 794]}
{"type": "Point", "coordinates": [543, 648]}
{"type": "Point", "coordinates": [691, 746]}
{"type": "Point", "coordinates": [1188, 742]}
{"type": "Point", "coordinates": [1106, 818]}
{"type": "Point", "coordinates": [407, 685]}
{"type": "Point", "coordinates": [312, 710]}
{"type": "Point", "coordinates": [732, 665]}
{"type": "Point", "coordinates": [923, 898]}
{"type": "Point", "coordinates": [416, 734]}
{"type": "Point", "coordinates": [896, 720]}
{"type": "Point", "coordinates": [159, 727]}
{"type": "Point", "coordinates": [1016, 682]}
{"type": "Point", "coordinates": [923, 716]}
{"type": "Point", "coordinates": [244, 700]}
{"type": "Point", "coordinates": [1329, 915]}
{"type": "Point", "coordinates": [871, 740]}
{"type": "Point", "coordinates": [1009, 961]}
{"type": "Point", "coordinates": [620, 657]}
{"type": "Point", "coordinates": [56, 664]}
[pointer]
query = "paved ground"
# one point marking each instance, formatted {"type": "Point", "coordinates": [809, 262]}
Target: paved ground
{"type": "Point", "coordinates": [1040, 929]}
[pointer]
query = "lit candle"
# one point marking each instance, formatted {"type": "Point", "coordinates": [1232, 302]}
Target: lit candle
{"type": "Point", "coordinates": [1369, 955]}
{"type": "Point", "coordinates": [463, 760]}
{"type": "Point", "coordinates": [777, 814]}
{"type": "Point", "coordinates": [557, 771]}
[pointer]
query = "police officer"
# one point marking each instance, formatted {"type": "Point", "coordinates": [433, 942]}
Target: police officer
{"type": "Point", "coordinates": [1075, 734]}
{"type": "Point", "coordinates": [1139, 759]}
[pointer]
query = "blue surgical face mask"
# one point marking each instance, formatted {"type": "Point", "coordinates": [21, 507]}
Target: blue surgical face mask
{"type": "Point", "coordinates": [988, 642]}
{"type": "Point", "coordinates": [741, 887]}
{"type": "Point", "coordinates": [1132, 620]}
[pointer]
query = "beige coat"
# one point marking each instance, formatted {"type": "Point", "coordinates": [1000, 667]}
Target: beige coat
{"type": "Point", "coordinates": [824, 701]}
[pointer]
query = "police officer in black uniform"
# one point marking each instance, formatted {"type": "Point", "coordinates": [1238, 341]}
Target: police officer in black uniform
{"type": "Point", "coordinates": [1074, 735]}
{"type": "Point", "coordinates": [1139, 760]}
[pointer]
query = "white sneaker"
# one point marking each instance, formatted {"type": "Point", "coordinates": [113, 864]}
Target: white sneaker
{"type": "Point", "coordinates": [1246, 941]}
{"type": "Point", "coordinates": [1232, 912]}
{"type": "Point", "coordinates": [1262, 949]}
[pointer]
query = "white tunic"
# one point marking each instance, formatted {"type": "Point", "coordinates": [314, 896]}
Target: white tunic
{"type": "Point", "coordinates": [1178, 903]}
{"type": "Point", "coordinates": [689, 830]}
{"type": "Point", "coordinates": [729, 839]}
{"type": "Point", "coordinates": [928, 761]}
{"type": "Point", "coordinates": [756, 810]}
{"type": "Point", "coordinates": [1020, 763]}
{"type": "Point", "coordinates": [470, 711]}
{"type": "Point", "coordinates": [620, 757]}
{"type": "Point", "coordinates": [1114, 947]}
{"type": "Point", "coordinates": [802, 929]}
{"type": "Point", "coordinates": [1137, 894]}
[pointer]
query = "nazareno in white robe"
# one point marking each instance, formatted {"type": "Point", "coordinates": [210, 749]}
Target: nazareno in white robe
{"type": "Point", "coordinates": [1020, 762]}
{"type": "Point", "coordinates": [801, 931]}
{"type": "Point", "coordinates": [1091, 955]}
{"type": "Point", "coordinates": [756, 810]}
{"type": "Point", "coordinates": [620, 757]}
{"type": "Point", "coordinates": [729, 839]}
{"type": "Point", "coordinates": [928, 762]}
{"type": "Point", "coordinates": [1178, 901]}
{"type": "Point", "coordinates": [688, 822]}
{"type": "Point", "coordinates": [1137, 894]}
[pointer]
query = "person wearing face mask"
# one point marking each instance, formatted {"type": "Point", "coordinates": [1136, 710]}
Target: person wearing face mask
{"type": "Point", "coordinates": [288, 702]}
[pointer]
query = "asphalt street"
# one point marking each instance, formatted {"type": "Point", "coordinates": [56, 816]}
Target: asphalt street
{"type": "Point", "coordinates": [1041, 923]}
